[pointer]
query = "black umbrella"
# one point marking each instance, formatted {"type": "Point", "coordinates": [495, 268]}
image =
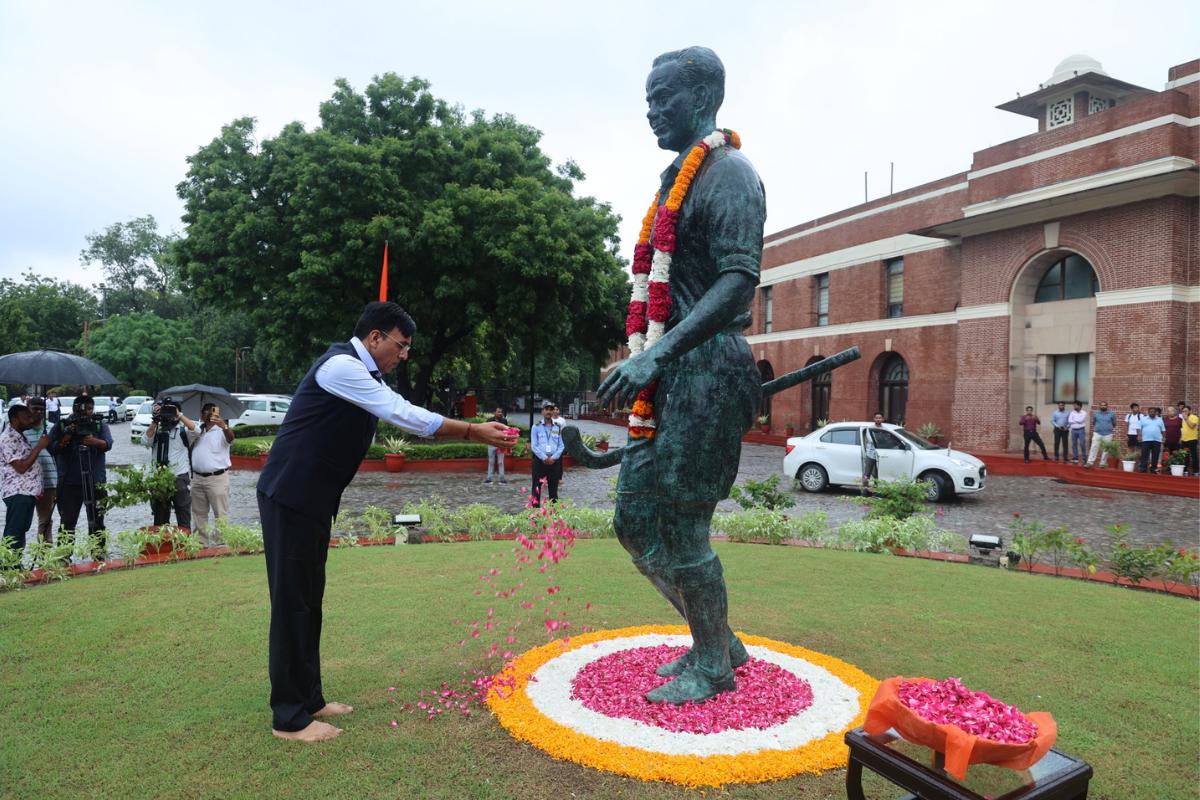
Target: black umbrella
{"type": "Point", "coordinates": [192, 397]}
{"type": "Point", "coordinates": [52, 368]}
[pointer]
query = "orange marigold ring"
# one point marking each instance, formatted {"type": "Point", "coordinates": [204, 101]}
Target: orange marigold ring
{"type": "Point", "coordinates": [531, 698]}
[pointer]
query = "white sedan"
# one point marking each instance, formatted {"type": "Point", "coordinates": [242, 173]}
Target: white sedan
{"type": "Point", "coordinates": [833, 455]}
{"type": "Point", "coordinates": [130, 405]}
{"type": "Point", "coordinates": [141, 421]}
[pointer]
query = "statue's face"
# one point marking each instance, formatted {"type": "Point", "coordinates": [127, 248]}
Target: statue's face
{"type": "Point", "coordinates": [672, 108]}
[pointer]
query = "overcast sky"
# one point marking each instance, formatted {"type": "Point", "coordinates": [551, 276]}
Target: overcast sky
{"type": "Point", "coordinates": [103, 101]}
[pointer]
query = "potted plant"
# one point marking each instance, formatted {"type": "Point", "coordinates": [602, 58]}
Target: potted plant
{"type": "Point", "coordinates": [1128, 461]}
{"type": "Point", "coordinates": [764, 423]}
{"type": "Point", "coordinates": [602, 441]}
{"type": "Point", "coordinates": [821, 423]}
{"type": "Point", "coordinates": [394, 455]}
{"type": "Point", "coordinates": [264, 450]}
{"type": "Point", "coordinates": [1178, 462]}
{"type": "Point", "coordinates": [1112, 451]}
{"type": "Point", "coordinates": [789, 429]}
{"type": "Point", "coordinates": [930, 431]}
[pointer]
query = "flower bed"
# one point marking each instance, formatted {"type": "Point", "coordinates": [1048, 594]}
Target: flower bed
{"type": "Point", "coordinates": [757, 733]}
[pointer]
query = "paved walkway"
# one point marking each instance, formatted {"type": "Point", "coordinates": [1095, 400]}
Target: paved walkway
{"type": "Point", "coordinates": [1085, 511]}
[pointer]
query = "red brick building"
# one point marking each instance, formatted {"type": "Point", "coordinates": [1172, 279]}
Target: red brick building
{"type": "Point", "coordinates": [1063, 265]}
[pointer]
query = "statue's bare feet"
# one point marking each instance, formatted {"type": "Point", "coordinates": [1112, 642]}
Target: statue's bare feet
{"type": "Point", "coordinates": [737, 657]}
{"type": "Point", "coordinates": [691, 686]}
{"type": "Point", "coordinates": [334, 710]}
{"type": "Point", "coordinates": [316, 731]}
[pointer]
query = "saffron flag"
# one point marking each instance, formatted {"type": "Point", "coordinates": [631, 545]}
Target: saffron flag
{"type": "Point", "coordinates": [383, 275]}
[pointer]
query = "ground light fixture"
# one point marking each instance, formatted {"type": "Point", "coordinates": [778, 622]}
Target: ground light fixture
{"type": "Point", "coordinates": [986, 549]}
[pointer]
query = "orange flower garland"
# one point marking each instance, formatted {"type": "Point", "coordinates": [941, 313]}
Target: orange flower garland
{"type": "Point", "coordinates": [650, 304]}
{"type": "Point", "coordinates": [516, 711]}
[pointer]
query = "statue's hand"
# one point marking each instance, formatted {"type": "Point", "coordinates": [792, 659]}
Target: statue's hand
{"type": "Point", "coordinates": [628, 378]}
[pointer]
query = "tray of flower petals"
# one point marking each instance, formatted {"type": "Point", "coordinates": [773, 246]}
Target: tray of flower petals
{"type": "Point", "coordinates": [969, 727]}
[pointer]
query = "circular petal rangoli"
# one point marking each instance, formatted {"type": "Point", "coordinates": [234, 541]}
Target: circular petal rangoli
{"type": "Point", "coordinates": [582, 701]}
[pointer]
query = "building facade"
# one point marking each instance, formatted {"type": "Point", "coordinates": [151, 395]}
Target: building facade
{"type": "Point", "coordinates": [1063, 265]}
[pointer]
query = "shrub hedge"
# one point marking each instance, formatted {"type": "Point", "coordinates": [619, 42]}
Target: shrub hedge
{"type": "Point", "coordinates": [246, 431]}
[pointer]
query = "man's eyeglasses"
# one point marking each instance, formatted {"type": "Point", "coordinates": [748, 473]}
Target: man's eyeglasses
{"type": "Point", "coordinates": [404, 346]}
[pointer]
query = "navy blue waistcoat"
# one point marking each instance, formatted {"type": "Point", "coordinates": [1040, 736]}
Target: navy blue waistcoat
{"type": "Point", "coordinates": [320, 444]}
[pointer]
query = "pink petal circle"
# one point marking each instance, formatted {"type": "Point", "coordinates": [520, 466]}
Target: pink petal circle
{"type": "Point", "coordinates": [615, 685]}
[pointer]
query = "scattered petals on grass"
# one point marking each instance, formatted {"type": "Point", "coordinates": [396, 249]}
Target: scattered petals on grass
{"type": "Point", "coordinates": [532, 699]}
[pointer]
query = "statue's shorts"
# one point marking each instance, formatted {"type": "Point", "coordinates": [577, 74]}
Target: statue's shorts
{"type": "Point", "coordinates": [705, 403]}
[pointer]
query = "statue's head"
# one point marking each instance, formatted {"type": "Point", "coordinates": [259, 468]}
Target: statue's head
{"type": "Point", "coordinates": [684, 90]}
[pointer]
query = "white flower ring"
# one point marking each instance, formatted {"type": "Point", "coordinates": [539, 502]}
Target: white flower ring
{"type": "Point", "coordinates": [533, 699]}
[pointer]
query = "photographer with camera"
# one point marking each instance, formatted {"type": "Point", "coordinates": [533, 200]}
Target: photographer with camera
{"type": "Point", "coordinates": [79, 443]}
{"type": "Point", "coordinates": [210, 471]}
{"type": "Point", "coordinates": [170, 447]}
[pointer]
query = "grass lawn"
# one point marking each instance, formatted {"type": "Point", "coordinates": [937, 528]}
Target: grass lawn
{"type": "Point", "coordinates": [152, 682]}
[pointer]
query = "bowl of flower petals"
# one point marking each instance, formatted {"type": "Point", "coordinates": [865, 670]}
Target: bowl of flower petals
{"type": "Point", "coordinates": [967, 727]}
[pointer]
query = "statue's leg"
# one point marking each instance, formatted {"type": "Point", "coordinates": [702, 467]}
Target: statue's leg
{"type": "Point", "coordinates": [710, 398]}
{"type": "Point", "coordinates": [701, 521]}
{"type": "Point", "coordinates": [699, 578]}
{"type": "Point", "coordinates": [636, 519]}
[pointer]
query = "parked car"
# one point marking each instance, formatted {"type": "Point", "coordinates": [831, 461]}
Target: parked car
{"type": "Point", "coordinates": [834, 455]}
{"type": "Point", "coordinates": [141, 421]}
{"type": "Point", "coordinates": [130, 405]}
{"type": "Point", "coordinates": [261, 409]}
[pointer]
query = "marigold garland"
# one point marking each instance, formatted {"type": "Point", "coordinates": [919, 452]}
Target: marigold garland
{"type": "Point", "coordinates": [650, 303]}
{"type": "Point", "coordinates": [515, 711]}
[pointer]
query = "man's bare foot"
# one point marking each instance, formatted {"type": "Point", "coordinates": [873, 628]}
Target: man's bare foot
{"type": "Point", "coordinates": [316, 731]}
{"type": "Point", "coordinates": [333, 710]}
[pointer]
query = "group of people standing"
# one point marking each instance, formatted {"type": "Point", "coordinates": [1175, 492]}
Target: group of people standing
{"type": "Point", "coordinates": [1148, 432]}
{"type": "Point", "coordinates": [48, 461]}
{"type": "Point", "coordinates": [46, 467]}
{"type": "Point", "coordinates": [545, 448]}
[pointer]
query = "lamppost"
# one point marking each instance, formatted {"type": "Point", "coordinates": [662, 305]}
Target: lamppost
{"type": "Point", "coordinates": [239, 355]}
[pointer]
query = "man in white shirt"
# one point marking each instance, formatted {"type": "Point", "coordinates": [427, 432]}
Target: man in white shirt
{"type": "Point", "coordinates": [168, 446]}
{"type": "Point", "coordinates": [1133, 426]}
{"type": "Point", "coordinates": [322, 441]}
{"type": "Point", "coordinates": [210, 471]}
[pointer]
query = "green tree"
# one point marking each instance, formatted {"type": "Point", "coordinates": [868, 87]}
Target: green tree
{"type": "Point", "coordinates": [41, 313]}
{"type": "Point", "coordinates": [147, 350]}
{"type": "Point", "coordinates": [139, 270]}
{"type": "Point", "coordinates": [490, 249]}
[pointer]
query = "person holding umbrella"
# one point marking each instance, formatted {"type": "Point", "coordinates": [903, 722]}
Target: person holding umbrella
{"type": "Point", "coordinates": [80, 442]}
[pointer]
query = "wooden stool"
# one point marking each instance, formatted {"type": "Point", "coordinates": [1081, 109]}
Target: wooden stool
{"type": "Point", "coordinates": [1057, 776]}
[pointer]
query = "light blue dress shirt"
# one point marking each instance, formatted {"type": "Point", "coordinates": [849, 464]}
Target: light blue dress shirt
{"type": "Point", "coordinates": [350, 378]}
{"type": "Point", "coordinates": [1152, 429]}
{"type": "Point", "coordinates": [546, 441]}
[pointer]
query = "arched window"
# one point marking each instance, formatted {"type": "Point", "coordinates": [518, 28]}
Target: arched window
{"type": "Point", "coordinates": [893, 389]}
{"type": "Point", "coordinates": [822, 388]}
{"type": "Point", "coordinates": [1068, 278]}
{"type": "Point", "coordinates": [765, 373]}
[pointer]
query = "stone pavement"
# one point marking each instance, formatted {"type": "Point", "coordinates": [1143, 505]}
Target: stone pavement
{"type": "Point", "coordinates": [1087, 512]}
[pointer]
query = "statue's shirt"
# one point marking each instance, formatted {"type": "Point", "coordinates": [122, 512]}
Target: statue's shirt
{"type": "Point", "coordinates": [720, 229]}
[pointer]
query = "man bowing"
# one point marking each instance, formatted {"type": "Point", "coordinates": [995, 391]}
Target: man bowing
{"type": "Point", "coordinates": [316, 454]}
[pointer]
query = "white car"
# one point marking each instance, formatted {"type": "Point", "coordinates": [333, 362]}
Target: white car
{"type": "Point", "coordinates": [130, 405]}
{"type": "Point", "coordinates": [261, 409]}
{"type": "Point", "coordinates": [833, 455]}
{"type": "Point", "coordinates": [106, 406]}
{"type": "Point", "coordinates": [141, 421]}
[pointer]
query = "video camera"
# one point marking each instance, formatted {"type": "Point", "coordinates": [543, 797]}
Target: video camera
{"type": "Point", "coordinates": [168, 414]}
{"type": "Point", "coordinates": [81, 424]}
